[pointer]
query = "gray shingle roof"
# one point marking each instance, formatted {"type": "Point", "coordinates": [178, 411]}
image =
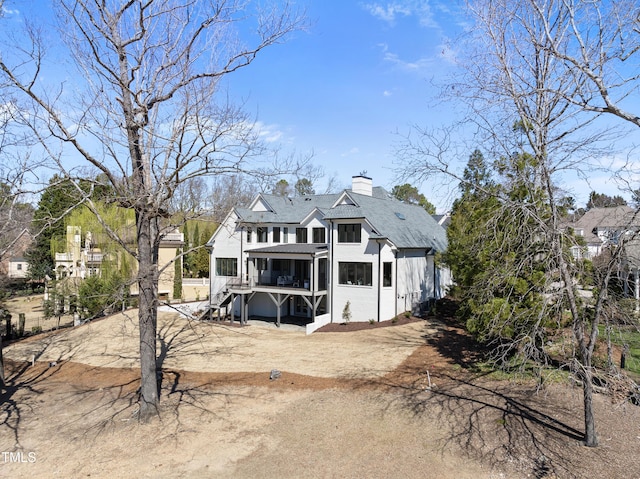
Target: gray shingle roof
{"type": "Point", "coordinates": [615, 217]}
{"type": "Point", "coordinates": [287, 210]}
{"type": "Point", "coordinates": [407, 226]}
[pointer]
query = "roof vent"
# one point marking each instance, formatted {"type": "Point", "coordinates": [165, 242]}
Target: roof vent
{"type": "Point", "coordinates": [401, 216]}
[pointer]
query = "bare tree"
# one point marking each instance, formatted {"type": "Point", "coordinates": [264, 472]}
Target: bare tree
{"type": "Point", "coordinates": [144, 109]}
{"type": "Point", "coordinates": [526, 106]}
{"type": "Point", "coordinates": [599, 47]}
{"type": "Point", "coordinates": [230, 191]}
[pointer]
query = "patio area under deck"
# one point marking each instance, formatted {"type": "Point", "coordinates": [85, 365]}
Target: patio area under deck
{"type": "Point", "coordinates": [296, 272]}
{"type": "Point", "coordinates": [303, 299]}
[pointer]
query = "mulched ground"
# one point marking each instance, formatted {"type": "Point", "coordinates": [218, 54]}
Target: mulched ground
{"type": "Point", "coordinates": [361, 325]}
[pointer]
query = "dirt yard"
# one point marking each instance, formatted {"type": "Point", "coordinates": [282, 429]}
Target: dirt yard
{"type": "Point", "coordinates": [348, 404]}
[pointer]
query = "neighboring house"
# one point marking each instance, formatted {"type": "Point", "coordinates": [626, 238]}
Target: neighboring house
{"type": "Point", "coordinates": [84, 258]}
{"type": "Point", "coordinates": [443, 220]}
{"type": "Point", "coordinates": [311, 256]}
{"type": "Point", "coordinates": [14, 265]}
{"type": "Point", "coordinates": [169, 243]}
{"type": "Point", "coordinates": [79, 259]}
{"type": "Point", "coordinates": [599, 228]}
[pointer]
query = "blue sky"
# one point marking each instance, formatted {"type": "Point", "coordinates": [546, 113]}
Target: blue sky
{"type": "Point", "coordinates": [351, 86]}
{"type": "Point", "coordinates": [362, 73]}
{"type": "Point", "coordinates": [360, 78]}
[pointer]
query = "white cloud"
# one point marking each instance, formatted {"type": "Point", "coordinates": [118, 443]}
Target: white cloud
{"type": "Point", "coordinates": [415, 65]}
{"type": "Point", "coordinates": [8, 11]}
{"type": "Point", "coordinates": [353, 151]}
{"type": "Point", "coordinates": [389, 12]}
{"type": "Point", "coordinates": [269, 133]}
{"type": "Point", "coordinates": [387, 93]}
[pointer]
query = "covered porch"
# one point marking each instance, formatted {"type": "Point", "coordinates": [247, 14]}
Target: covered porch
{"type": "Point", "coordinates": [284, 281]}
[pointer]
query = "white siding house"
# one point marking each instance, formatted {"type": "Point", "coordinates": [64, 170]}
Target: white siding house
{"type": "Point", "coordinates": [307, 257]}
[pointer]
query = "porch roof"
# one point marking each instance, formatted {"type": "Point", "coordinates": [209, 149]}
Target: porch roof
{"type": "Point", "coordinates": [292, 248]}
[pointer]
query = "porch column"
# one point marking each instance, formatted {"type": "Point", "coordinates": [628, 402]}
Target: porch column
{"type": "Point", "coordinates": [233, 313]}
{"type": "Point", "coordinates": [251, 267]}
{"type": "Point", "coordinates": [313, 277]}
{"type": "Point", "coordinates": [279, 304]}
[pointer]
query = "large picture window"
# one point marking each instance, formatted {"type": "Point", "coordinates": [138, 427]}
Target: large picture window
{"type": "Point", "coordinates": [349, 233]}
{"type": "Point", "coordinates": [226, 266]}
{"type": "Point", "coordinates": [354, 273]}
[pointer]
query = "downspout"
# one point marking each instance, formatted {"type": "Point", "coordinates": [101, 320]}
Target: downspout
{"type": "Point", "coordinates": [212, 269]}
{"type": "Point", "coordinates": [395, 311]}
{"type": "Point", "coordinates": [330, 272]}
{"type": "Point", "coordinates": [312, 283]}
{"type": "Point", "coordinates": [241, 260]}
{"type": "Point", "coordinates": [379, 277]}
{"type": "Point", "coordinates": [241, 252]}
{"type": "Point", "coordinates": [434, 277]}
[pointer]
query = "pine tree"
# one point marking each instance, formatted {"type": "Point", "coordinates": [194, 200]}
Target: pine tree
{"type": "Point", "coordinates": [57, 200]}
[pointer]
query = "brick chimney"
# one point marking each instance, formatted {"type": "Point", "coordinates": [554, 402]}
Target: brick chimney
{"type": "Point", "coordinates": [362, 185]}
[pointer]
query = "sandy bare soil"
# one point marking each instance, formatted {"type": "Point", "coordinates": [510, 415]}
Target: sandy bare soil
{"type": "Point", "coordinates": [348, 405]}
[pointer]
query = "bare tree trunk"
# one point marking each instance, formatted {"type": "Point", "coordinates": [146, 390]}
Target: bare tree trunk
{"type": "Point", "coordinates": [590, 437]}
{"type": "Point", "coordinates": [147, 317]}
{"type": "Point", "coordinates": [2, 378]}
{"type": "Point", "coordinates": [585, 349]}
{"type": "Point", "coordinates": [611, 365]}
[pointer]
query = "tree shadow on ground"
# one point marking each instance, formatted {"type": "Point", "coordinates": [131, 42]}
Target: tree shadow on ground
{"type": "Point", "coordinates": [504, 424]}
{"type": "Point", "coordinates": [510, 425]}
{"type": "Point", "coordinates": [451, 339]}
{"type": "Point", "coordinates": [19, 377]}
{"type": "Point", "coordinates": [25, 379]}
